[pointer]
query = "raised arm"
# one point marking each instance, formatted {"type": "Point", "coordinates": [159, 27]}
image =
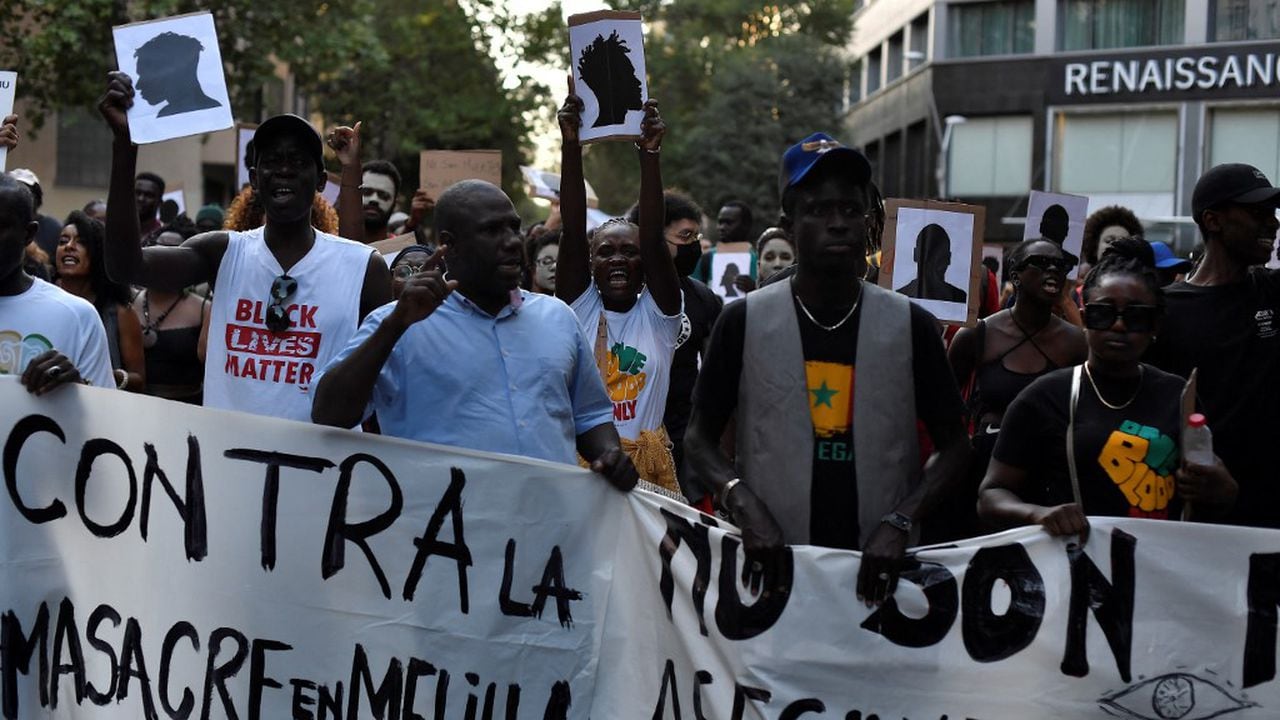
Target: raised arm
{"type": "Point", "coordinates": [345, 142]}
{"type": "Point", "coordinates": [573, 266]}
{"type": "Point", "coordinates": [345, 388]}
{"type": "Point", "coordinates": [9, 132]}
{"type": "Point", "coordinates": [168, 268]}
{"type": "Point", "coordinates": [659, 268]}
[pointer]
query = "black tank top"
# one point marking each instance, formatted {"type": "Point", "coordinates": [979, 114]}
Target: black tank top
{"type": "Point", "coordinates": [998, 385]}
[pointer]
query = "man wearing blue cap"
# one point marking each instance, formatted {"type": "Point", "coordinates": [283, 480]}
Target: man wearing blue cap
{"type": "Point", "coordinates": [1225, 320]}
{"type": "Point", "coordinates": [289, 296]}
{"type": "Point", "coordinates": [821, 462]}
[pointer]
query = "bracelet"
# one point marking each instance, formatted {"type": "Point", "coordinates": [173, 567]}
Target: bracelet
{"type": "Point", "coordinates": [122, 379]}
{"type": "Point", "coordinates": [645, 149]}
{"type": "Point", "coordinates": [724, 492]}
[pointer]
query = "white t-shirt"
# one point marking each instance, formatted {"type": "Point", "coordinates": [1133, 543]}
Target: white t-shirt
{"type": "Point", "coordinates": [641, 343]}
{"type": "Point", "coordinates": [46, 317]}
{"type": "Point", "coordinates": [251, 369]}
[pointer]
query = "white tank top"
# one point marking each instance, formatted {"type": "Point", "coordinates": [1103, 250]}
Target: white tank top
{"type": "Point", "coordinates": [251, 369]}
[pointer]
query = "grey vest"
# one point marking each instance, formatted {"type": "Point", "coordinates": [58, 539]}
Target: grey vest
{"type": "Point", "coordinates": [775, 429]}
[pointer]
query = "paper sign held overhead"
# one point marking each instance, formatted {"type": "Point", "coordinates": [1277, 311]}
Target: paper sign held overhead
{"type": "Point", "coordinates": [606, 56]}
{"type": "Point", "coordinates": [1058, 218]}
{"type": "Point", "coordinates": [546, 185]}
{"type": "Point", "coordinates": [244, 134]}
{"type": "Point", "coordinates": [8, 89]}
{"type": "Point", "coordinates": [438, 169]}
{"type": "Point", "coordinates": [932, 253]}
{"type": "Point", "coordinates": [179, 87]}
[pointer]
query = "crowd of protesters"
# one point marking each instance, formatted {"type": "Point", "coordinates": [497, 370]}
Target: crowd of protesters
{"type": "Point", "coordinates": [819, 409]}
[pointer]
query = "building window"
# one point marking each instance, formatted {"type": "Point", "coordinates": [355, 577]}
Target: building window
{"type": "Point", "coordinates": [84, 150]}
{"type": "Point", "coordinates": [897, 50]}
{"type": "Point", "coordinates": [1117, 153]}
{"type": "Point", "coordinates": [918, 50]}
{"type": "Point", "coordinates": [873, 70]}
{"type": "Point", "coordinates": [1246, 19]}
{"type": "Point", "coordinates": [853, 85]}
{"type": "Point", "coordinates": [1099, 24]}
{"type": "Point", "coordinates": [1248, 135]}
{"type": "Point", "coordinates": [990, 157]}
{"type": "Point", "coordinates": [1006, 27]}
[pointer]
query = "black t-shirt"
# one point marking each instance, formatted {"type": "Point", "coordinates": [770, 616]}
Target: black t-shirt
{"type": "Point", "coordinates": [1124, 458]}
{"type": "Point", "coordinates": [701, 308]}
{"type": "Point", "coordinates": [830, 370]}
{"type": "Point", "coordinates": [1232, 334]}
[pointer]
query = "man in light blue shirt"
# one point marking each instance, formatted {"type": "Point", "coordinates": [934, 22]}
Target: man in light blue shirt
{"type": "Point", "coordinates": [471, 360]}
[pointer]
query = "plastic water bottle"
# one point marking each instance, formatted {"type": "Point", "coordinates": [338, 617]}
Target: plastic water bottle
{"type": "Point", "coordinates": [1197, 441]}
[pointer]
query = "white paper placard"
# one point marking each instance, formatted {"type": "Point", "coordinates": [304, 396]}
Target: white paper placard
{"type": "Point", "coordinates": [179, 86]}
{"type": "Point", "coordinates": [1059, 218]}
{"type": "Point", "coordinates": [244, 135]}
{"type": "Point", "coordinates": [941, 238]}
{"type": "Point", "coordinates": [178, 196]}
{"type": "Point", "coordinates": [606, 51]}
{"type": "Point", "coordinates": [8, 90]}
{"type": "Point", "coordinates": [729, 261]}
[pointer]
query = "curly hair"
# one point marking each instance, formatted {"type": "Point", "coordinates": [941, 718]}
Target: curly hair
{"type": "Point", "coordinates": [676, 205]}
{"type": "Point", "coordinates": [91, 235]}
{"type": "Point", "coordinates": [1130, 256]}
{"type": "Point", "coordinates": [1105, 218]}
{"type": "Point", "coordinates": [246, 213]}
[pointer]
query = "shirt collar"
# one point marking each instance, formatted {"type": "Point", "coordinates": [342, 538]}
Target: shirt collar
{"type": "Point", "coordinates": [512, 307]}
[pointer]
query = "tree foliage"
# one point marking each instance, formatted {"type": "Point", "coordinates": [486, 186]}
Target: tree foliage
{"type": "Point", "coordinates": [738, 82]}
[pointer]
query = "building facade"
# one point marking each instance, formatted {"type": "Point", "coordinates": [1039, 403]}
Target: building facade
{"type": "Point", "coordinates": [1124, 101]}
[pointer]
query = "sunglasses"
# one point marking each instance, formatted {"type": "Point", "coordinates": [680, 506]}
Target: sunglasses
{"type": "Point", "coordinates": [1137, 318]}
{"type": "Point", "coordinates": [1047, 263]}
{"type": "Point", "coordinates": [406, 271]}
{"type": "Point", "coordinates": [282, 288]}
{"type": "Point", "coordinates": [687, 237]}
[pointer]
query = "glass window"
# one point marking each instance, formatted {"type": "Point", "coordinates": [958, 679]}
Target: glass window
{"type": "Point", "coordinates": [1247, 135]}
{"type": "Point", "coordinates": [1098, 24]}
{"type": "Point", "coordinates": [1246, 19]}
{"type": "Point", "coordinates": [84, 150]}
{"type": "Point", "coordinates": [992, 28]}
{"type": "Point", "coordinates": [873, 71]}
{"type": "Point", "coordinates": [990, 156]}
{"type": "Point", "coordinates": [895, 59]}
{"type": "Point", "coordinates": [1117, 153]}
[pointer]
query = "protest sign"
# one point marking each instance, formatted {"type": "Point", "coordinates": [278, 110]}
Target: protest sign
{"type": "Point", "coordinates": [438, 169]}
{"type": "Point", "coordinates": [244, 134]}
{"type": "Point", "coordinates": [729, 261]}
{"type": "Point", "coordinates": [1058, 218]}
{"type": "Point", "coordinates": [332, 187]}
{"type": "Point", "coordinates": [177, 76]}
{"type": "Point", "coordinates": [606, 57]}
{"type": "Point", "coordinates": [546, 185]}
{"type": "Point", "coordinates": [200, 563]}
{"type": "Point", "coordinates": [8, 91]}
{"type": "Point", "coordinates": [932, 253]}
{"type": "Point", "coordinates": [176, 196]}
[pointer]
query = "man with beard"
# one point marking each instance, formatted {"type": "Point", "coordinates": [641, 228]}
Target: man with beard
{"type": "Point", "coordinates": [379, 188]}
{"type": "Point", "coordinates": [289, 296]}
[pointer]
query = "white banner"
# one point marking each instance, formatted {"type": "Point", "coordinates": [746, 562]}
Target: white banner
{"type": "Point", "coordinates": [163, 561]}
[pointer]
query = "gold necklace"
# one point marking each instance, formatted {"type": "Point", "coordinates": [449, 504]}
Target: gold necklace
{"type": "Point", "coordinates": [1103, 400]}
{"type": "Point", "coordinates": [828, 328]}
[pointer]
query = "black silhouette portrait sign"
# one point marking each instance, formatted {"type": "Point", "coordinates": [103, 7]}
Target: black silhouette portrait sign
{"type": "Point", "coordinates": [607, 57]}
{"type": "Point", "coordinates": [177, 77]}
{"type": "Point", "coordinates": [729, 261]}
{"type": "Point", "coordinates": [1058, 218]}
{"type": "Point", "coordinates": [932, 253]}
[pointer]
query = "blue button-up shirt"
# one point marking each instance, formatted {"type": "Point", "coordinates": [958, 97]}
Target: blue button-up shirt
{"type": "Point", "coordinates": [523, 382]}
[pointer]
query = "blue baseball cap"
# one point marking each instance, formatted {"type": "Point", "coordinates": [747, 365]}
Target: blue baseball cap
{"type": "Point", "coordinates": [802, 157]}
{"type": "Point", "coordinates": [1165, 258]}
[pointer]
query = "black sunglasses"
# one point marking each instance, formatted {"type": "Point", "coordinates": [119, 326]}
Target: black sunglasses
{"type": "Point", "coordinates": [1047, 263]}
{"type": "Point", "coordinates": [1137, 318]}
{"type": "Point", "coordinates": [282, 288]}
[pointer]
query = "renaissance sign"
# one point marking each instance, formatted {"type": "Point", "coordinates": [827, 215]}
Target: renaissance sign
{"type": "Point", "coordinates": [1200, 72]}
{"type": "Point", "coordinates": [163, 561]}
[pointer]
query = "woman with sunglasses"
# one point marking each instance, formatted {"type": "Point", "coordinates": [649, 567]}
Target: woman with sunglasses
{"type": "Point", "coordinates": [1102, 438]}
{"type": "Point", "coordinates": [623, 286]}
{"type": "Point", "coordinates": [997, 359]}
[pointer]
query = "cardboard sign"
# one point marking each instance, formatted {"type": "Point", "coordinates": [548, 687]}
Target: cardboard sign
{"type": "Point", "coordinates": [438, 169]}
{"type": "Point", "coordinates": [932, 253]}
{"type": "Point", "coordinates": [1058, 218]}
{"type": "Point", "coordinates": [606, 55]}
{"type": "Point", "coordinates": [245, 566]}
{"type": "Point", "coordinates": [244, 134]}
{"type": "Point", "coordinates": [8, 91]}
{"type": "Point", "coordinates": [179, 86]}
{"type": "Point", "coordinates": [729, 261]}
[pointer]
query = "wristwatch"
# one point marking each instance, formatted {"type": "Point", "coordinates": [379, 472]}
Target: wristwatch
{"type": "Point", "coordinates": [724, 493]}
{"type": "Point", "coordinates": [897, 520]}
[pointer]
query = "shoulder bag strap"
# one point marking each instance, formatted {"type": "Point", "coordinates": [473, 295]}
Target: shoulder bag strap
{"type": "Point", "coordinates": [1071, 435]}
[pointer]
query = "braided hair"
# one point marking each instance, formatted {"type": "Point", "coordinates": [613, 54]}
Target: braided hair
{"type": "Point", "coordinates": [1130, 256]}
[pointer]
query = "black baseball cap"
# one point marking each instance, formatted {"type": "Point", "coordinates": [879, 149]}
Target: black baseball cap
{"type": "Point", "coordinates": [1232, 182]}
{"type": "Point", "coordinates": [805, 155]}
{"type": "Point", "coordinates": [282, 125]}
